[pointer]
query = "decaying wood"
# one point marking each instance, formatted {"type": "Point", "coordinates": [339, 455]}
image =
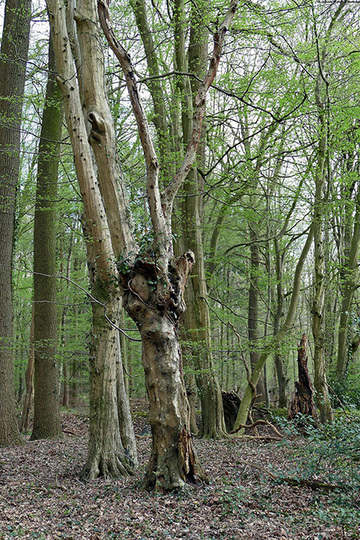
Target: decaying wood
{"type": "Point", "coordinates": [231, 404]}
{"type": "Point", "coordinates": [302, 482]}
{"type": "Point", "coordinates": [303, 400]}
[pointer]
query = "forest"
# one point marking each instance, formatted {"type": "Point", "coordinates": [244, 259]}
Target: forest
{"type": "Point", "coordinates": [179, 254]}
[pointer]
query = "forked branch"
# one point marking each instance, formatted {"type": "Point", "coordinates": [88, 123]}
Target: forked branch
{"type": "Point", "coordinates": [161, 207]}
{"type": "Point", "coordinates": [161, 227]}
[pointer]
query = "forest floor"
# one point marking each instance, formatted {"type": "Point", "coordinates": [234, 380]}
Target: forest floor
{"type": "Point", "coordinates": [43, 497]}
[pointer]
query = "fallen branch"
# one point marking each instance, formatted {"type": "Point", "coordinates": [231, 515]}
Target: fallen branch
{"type": "Point", "coordinates": [70, 432]}
{"type": "Point", "coordinates": [261, 438]}
{"type": "Point", "coordinates": [254, 424]}
{"type": "Point", "coordinates": [301, 482]}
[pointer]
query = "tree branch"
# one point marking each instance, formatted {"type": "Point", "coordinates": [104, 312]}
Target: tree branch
{"type": "Point", "coordinates": [170, 192]}
{"type": "Point", "coordinates": [161, 226]}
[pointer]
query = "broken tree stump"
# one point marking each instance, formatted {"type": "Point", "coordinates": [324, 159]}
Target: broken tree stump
{"type": "Point", "coordinates": [231, 404]}
{"type": "Point", "coordinates": [303, 400]}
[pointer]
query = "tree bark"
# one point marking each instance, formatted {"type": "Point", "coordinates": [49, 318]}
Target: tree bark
{"type": "Point", "coordinates": [14, 53]}
{"type": "Point", "coordinates": [29, 382]}
{"type": "Point", "coordinates": [47, 421]}
{"type": "Point", "coordinates": [156, 311]}
{"type": "Point", "coordinates": [106, 454]}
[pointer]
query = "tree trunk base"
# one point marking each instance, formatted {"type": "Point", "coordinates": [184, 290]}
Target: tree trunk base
{"type": "Point", "coordinates": [231, 404]}
{"type": "Point", "coordinates": [171, 469]}
{"type": "Point", "coordinates": [111, 466]}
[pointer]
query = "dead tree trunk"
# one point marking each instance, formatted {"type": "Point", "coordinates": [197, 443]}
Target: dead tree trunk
{"type": "Point", "coordinates": [303, 400]}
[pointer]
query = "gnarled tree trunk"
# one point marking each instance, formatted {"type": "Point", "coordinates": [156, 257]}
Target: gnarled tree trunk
{"type": "Point", "coordinates": [155, 303]}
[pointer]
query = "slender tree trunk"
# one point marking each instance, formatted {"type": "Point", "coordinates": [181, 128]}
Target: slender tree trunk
{"type": "Point", "coordinates": [318, 322]}
{"type": "Point", "coordinates": [197, 316]}
{"type": "Point", "coordinates": [277, 319]}
{"type": "Point", "coordinates": [47, 421]}
{"type": "Point", "coordinates": [253, 308]}
{"type": "Point", "coordinates": [198, 331]}
{"type": "Point", "coordinates": [14, 52]}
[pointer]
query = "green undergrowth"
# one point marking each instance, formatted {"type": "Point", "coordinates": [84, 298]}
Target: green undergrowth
{"type": "Point", "coordinates": [329, 454]}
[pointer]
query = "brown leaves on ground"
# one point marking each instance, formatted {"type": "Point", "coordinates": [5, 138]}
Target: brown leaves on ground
{"type": "Point", "coordinates": [42, 496]}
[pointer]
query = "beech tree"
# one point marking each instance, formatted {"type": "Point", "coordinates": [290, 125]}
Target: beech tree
{"type": "Point", "coordinates": [112, 451]}
{"type": "Point", "coordinates": [47, 423]}
{"type": "Point", "coordinates": [151, 283]}
{"type": "Point", "coordinates": [14, 52]}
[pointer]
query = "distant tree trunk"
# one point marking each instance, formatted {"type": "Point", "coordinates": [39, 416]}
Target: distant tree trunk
{"type": "Point", "coordinates": [277, 319]}
{"type": "Point", "coordinates": [318, 322]}
{"type": "Point", "coordinates": [197, 317]}
{"type": "Point", "coordinates": [47, 421]}
{"type": "Point", "coordinates": [29, 382]}
{"type": "Point", "coordinates": [14, 53]}
{"type": "Point", "coordinates": [303, 401]}
{"type": "Point", "coordinates": [197, 321]}
{"type": "Point", "coordinates": [253, 308]}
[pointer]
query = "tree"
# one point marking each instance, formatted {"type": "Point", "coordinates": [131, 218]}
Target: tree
{"type": "Point", "coordinates": [14, 51]}
{"type": "Point", "coordinates": [153, 286]}
{"type": "Point", "coordinates": [47, 422]}
{"type": "Point", "coordinates": [189, 65]}
{"type": "Point", "coordinates": [152, 282]}
{"type": "Point", "coordinates": [112, 451]}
